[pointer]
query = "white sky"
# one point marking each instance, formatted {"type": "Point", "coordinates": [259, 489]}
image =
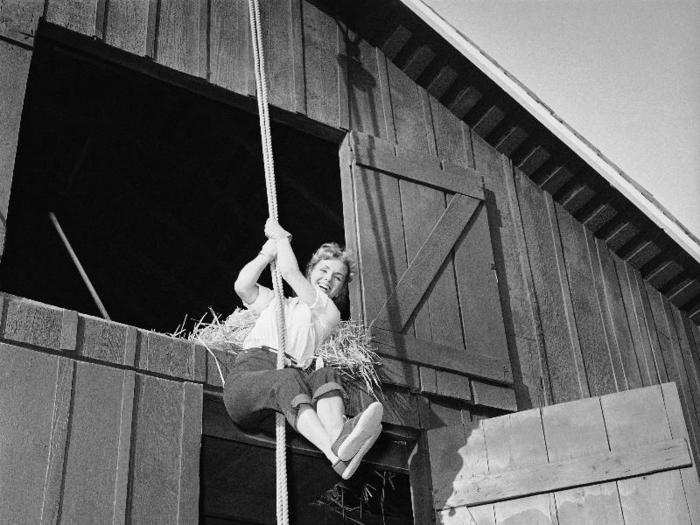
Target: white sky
{"type": "Point", "coordinates": [623, 73]}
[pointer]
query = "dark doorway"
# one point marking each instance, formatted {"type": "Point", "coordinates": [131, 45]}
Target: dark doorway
{"type": "Point", "coordinates": [159, 190]}
{"type": "Point", "coordinates": [237, 479]}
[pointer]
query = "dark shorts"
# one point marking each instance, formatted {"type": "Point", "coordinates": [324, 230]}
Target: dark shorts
{"type": "Point", "coordinates": [255, 389]}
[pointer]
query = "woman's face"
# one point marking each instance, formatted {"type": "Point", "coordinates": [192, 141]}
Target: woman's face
{"type": "Point", "coordinates": [329, 275]}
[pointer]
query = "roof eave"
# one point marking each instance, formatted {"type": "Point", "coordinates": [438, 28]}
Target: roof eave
{"type": "Point", "coordinates": [619, 180]}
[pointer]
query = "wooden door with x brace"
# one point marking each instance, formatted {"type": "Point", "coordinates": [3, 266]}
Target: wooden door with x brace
{"type": "Point", "coordinates": [426, 281]}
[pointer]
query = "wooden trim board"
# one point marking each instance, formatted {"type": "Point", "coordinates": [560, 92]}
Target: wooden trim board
{"type": "Point", "coordinates": [415, 281]}
{"type": "Point", "coordinates": [408, 348]}
{"type": "Point", "coordinates": [425, 170]}
{"type": "Point", "coordinates": [570, 473]}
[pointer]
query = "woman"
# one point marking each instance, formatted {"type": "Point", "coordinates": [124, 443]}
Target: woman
{"type": "Point", "coordinates": [310, 399]}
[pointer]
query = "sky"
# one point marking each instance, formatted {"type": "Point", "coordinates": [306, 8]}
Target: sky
{"type": "Point", "coordinates": [624, 73]}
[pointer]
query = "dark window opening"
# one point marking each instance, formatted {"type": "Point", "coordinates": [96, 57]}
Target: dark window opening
{"type": "Point", "coordinates": [237, 480]}
{"type": "Point", "coordinates": [159, 190]}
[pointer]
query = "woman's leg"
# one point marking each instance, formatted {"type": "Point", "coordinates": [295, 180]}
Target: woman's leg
{"type": "Point", "coordinates": [309, 425]}
{"type": "Point", "coordinates": [331, 409]}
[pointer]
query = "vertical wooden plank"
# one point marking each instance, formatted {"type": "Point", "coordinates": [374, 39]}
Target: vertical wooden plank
{"type": "Point", "coordinates": [691, 358]}
{"type": "Point", "coordinates": [577, 429]}
{"type": "Point", "coordinates": [410, 123]}
{"type": "Point", "coordinates": [321, 64]}
{"type": "Point", "coordinates": [344, 47]}
{"type": "Point", "coordinates": [520, 311]}
{"type": "Point", "coordinates": [623, 354]}
{"type": "Point", "coordinates": [635, 321]}
{"type": "Point", "coordinates": [27, 399]}
{"type": "Point", "coordinates": [385, 93]}
{"type": "Point", "coordinates": [692, 411]}
{"type": "Point", "coordinates": [351, 226]}
{"type": "Point", "coordinates": [683, 358]}
{"type": "Point", "coordinates": [449, 135]}
{"type": "Point", "coordinates": [477, 286]}
{"type": "Point", "coordinates": [155, 450]}
{"type": "Point", "coordinates": [13, 79]}
{"type": "Point", "coordinates": [668, 341]}
{"type": "Point", "coordinates": [382, 254]}
{"type": "Point", "coordinates": [420, 480]}
{"type": "Point", "coordinates": [437, 318]}
{"type": "Point", "coordinates": [365, 101]}
{"type": "Point", "coordinates": [77, 15]}
{"type": "Point", "coordinates": [181, 34]}
{"type": "Point", "coordinates": [190, 445]}
{"type": "Point", "coordinates": [513, 441]}
{"type": "Point", "coordinates": [594, 337]}
{"type": "Point", "coordinates": [152, 28]}
{"type": "Point", "coordinates": [92, 451]}
{"type": "Point", "coordinates": [677, 426]}
{"type": "Point", "coordinates": [456, 453]}
{"type": "Point", "coordinates": [637, 417]}
{"type": "Point", "coordinates": [564, 361]}
{"type": "Point", "coordinates": [121, 481]}
{"type": "Point", "coordinates": [278, 47]}
{"type": "Point", "coordinates": [297, 36]}
{"type": "Point", "coordinates": [428, 117]}
{"type": "Point", "coordinates": [127, 25]}
{"type": "Point", "coordinates": [230, 52]}
{"type": "Point", "coordinates": [51, 507]}
{"type": "Point", "coordinates": [649, 327]}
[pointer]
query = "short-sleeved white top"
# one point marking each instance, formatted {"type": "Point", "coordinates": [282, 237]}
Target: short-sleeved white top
{"type": "Point", "coordinates": [307, 326]}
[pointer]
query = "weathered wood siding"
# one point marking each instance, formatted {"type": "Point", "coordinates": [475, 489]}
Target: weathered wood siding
{"type": "Point", "coordinates": [578, 320]}
{"type": "Point", "coordinates": [618, 458]}
{"type": "Point", "coordinates": [82, 441]}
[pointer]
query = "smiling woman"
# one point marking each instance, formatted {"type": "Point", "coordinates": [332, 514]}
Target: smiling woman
{"type": "Point", "coordinates": [311, 400]}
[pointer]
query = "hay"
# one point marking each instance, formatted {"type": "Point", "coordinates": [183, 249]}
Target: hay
{"type": "Point", "coordinates": [350, 349]}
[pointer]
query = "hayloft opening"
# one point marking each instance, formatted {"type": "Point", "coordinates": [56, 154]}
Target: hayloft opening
{"type": "Point", "coordinates": [159, 190]}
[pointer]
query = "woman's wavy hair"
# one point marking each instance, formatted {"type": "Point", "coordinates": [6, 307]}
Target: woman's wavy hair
{"type": "Point", "coordinates": [333, 250]}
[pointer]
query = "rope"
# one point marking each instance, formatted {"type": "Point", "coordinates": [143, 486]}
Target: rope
{"type": "Point", "coordinates": [269, 165]}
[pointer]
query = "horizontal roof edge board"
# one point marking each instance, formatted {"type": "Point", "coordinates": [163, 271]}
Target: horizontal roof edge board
{"type": "Point", "coordinates": [633, 191]}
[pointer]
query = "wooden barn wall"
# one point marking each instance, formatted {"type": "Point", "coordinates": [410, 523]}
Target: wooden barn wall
{"type": "Point", "coordinates": [579, 321]}
{"type": "Point", "coordinates": [90, 419]}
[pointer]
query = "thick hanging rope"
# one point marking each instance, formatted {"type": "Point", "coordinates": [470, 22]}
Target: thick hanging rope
{"type": "Point", "coordinates": [269, 165]}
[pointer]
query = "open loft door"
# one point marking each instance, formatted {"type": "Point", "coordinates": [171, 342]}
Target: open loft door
{"type": "Point", "coordinates": [427, 284]}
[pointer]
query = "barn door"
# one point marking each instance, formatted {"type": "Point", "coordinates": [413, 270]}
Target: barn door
{"type": "Point", "coordinates": [426, 281]}
{"type": "Point", "coordinates": [620, 458]}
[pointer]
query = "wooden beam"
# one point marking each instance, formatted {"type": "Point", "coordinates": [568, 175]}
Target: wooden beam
{"type": "Point", "coordinates": [553, 179]}
{"type": "Point", "coordinates": [399, 307]}
{"type": "Point", "coordinates": [661, 269]}
{"type": "Point", "coordinates": [409, 348]}
{"type": "Point", "coordinates": [442, 81]}
{"type": "Point", "coordinates": [684, 292]}
{"type": "Point", "coordinates": [460, 99]}
{"type": "Point", "coordinates": [567, 474]}
{"type": "Point", "coordinates": [379, 155]}
{"type": "Point", "coordinates": [418, 61]}
{"type": "Point", "coordinates": [395, 42]}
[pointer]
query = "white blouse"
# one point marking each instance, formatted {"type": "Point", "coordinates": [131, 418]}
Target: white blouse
{"type": "Point", "coordinates": [307, 326]}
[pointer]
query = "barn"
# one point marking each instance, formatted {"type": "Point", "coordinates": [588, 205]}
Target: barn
{"type": "Point", "coordinates": [535, 310]}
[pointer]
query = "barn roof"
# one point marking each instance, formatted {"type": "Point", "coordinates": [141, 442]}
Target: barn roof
{"type": "Point", "coordinates": [541, 144]}
{"type": "Point", "coordinates": [612, 173]}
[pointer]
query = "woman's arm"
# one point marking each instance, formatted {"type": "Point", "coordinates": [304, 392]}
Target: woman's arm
{"type": "Point", "coordinates": [287, 263]}
{"type": "Point", "coordinates": [289, 270]}
{"type": "Point", "coordinates": [246, 285]}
